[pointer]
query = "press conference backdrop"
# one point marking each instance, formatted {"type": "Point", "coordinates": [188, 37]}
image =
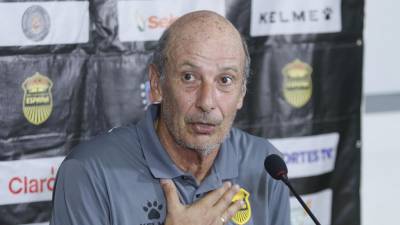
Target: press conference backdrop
{"type": "Point", "coordinates": [71, 70]}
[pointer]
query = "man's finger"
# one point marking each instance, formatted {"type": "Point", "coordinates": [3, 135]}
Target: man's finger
{"type": "Point", "coordinates": [226, 199]}
{"type": "Point", "coordinates": [211, 198]}
{"type": "Point", "coordinates": [171, 194]}
{"type": "Point", "coordinates": [232, 210]}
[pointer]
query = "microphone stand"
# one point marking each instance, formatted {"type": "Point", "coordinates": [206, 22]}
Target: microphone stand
{"type": "Point", "coordinates": [286, 181]}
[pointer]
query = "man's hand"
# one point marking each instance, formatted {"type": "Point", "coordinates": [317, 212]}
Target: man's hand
{"type": "Point", "coordinates": [215, 208]}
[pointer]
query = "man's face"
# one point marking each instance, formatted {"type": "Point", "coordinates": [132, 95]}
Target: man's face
{"type": "Point", "coordinates": [202, 90]}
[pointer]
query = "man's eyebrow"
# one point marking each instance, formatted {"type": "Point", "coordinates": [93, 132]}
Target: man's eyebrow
{"type": "Point", "coordinates": [189, 64]}
{"type": "Point", "coordinates": [222, 68]}
{"type": "Point", "coordinates": [233, 68]}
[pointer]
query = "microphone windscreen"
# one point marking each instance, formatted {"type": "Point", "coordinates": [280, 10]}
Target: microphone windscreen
{"type": "Point", "coordinates": [275, 166]}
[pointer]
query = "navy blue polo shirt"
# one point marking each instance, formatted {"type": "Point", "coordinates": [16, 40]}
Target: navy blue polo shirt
{"type": "Point", "coordinates": [114, 179]}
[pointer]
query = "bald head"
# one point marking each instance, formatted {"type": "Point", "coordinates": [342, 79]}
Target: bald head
{"type": "Point", "coordinates": [201, 28]}
{"type": "Point", "coordinates": [202, 25]}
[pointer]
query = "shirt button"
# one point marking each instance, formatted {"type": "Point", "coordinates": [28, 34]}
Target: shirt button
{"type": "Point", "coordinates": [198, 195]}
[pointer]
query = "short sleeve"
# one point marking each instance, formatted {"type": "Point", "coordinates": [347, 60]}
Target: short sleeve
{"type": "Point", "coordinates": [79, 197]}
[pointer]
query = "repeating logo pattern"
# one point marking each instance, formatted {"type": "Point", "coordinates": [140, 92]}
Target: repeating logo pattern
{"type": "Point", "coordinates": [36, 23]}
{"type": "Point", "coordinates": [140, 21]}
{"type": "Point", "coordinates": [276, 17]}
{"type": "Point", "coordinates": [37, 102]}
{"type": "Point", "coordinates": [297, 83]}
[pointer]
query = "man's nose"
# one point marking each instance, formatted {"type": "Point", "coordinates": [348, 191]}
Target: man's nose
{"type": "Point", "coordinates": [206, 97]}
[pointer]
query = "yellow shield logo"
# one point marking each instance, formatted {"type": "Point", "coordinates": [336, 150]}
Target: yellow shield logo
{"type": "Point", "coordinates": [243, 215]}
{"type": "Point", "coordinates": [38, 102]}
{"type": "Point", "coordinates": [297, 83]}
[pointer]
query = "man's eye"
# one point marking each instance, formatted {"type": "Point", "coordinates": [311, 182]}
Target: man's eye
{"type": "Point", "coordinates": [188, 77]}
{"type": "Point", "coordinates": [226, 80]}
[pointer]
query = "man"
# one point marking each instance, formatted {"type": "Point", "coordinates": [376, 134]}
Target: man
{"type": "Point", "coordinates": [183, 163]}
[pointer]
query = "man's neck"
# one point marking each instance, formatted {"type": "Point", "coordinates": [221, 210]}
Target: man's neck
{"type": "Point", "coordinates": [188, 160]}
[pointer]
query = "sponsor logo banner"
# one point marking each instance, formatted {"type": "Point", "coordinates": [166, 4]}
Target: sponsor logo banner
{"type": "Point", "coordinates": [30, 180]}
{"type": "Point", "coordinates": [44, 23]}
{"type": "Point", "coordinates": [310, 155]}
{"type": "Point", "coordinates": [270, 17]}
{"type": "Point", "coordinates": [320, 204]}
{"type": "Point", "coordinates": [146, 20]}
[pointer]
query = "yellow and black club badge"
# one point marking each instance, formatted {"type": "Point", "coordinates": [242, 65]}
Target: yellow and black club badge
{"type": "Point", "coordinates": [38, 102]}
{"type": "Point", "coordinates": [297, 83]}
{"type": "Point", "coordinates": [244, 214]}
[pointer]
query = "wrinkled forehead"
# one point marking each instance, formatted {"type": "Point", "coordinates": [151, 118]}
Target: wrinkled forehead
{"type": "Point", "coordinates": [201, 19]}
{"type": "Point", "coordinates": [204, 30]}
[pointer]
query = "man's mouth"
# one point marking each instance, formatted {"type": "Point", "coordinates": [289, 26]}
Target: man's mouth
{"type": "Point", "coordinates": [203, 128]}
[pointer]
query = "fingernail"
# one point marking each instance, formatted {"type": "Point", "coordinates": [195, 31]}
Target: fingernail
{"type": "Point", "coordinates": [242, 203]}
{"type": "Point", "coordinates": [227, 184]}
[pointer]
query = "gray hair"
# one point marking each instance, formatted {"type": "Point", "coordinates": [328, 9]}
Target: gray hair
{"type": "Point", "coordinates": [159, 58]}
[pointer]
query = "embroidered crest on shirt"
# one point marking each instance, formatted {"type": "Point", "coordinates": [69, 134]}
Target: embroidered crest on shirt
{"type": "Point", "coordinates": [244, 214]}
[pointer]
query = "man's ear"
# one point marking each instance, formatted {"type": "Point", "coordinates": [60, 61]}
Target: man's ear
{"type": "Point", "coordinates": [155, 84]}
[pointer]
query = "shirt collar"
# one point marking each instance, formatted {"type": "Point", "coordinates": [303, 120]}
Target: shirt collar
{"type": "Point", "coordinates": [227, 161]}
{"type": "Point", "coordinates": [160, 163]}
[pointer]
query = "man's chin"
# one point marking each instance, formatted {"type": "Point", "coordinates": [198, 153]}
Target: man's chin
{"type": "Point", "coordinates": [202, 147]}
{"type": "Point", "coordinates": [205, 150]}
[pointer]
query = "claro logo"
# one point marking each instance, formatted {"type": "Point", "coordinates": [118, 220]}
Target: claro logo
{"type": "Point", "coordinates": [20, 185]}
{"type": "Point", "coordinates": [153, 22]}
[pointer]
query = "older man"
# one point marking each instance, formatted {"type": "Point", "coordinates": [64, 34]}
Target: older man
{"type": "Point", "coordinates": [183, 163]}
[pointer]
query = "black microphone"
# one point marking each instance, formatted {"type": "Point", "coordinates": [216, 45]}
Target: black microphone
{"type": "Point", "coordinates": [277, 168]}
